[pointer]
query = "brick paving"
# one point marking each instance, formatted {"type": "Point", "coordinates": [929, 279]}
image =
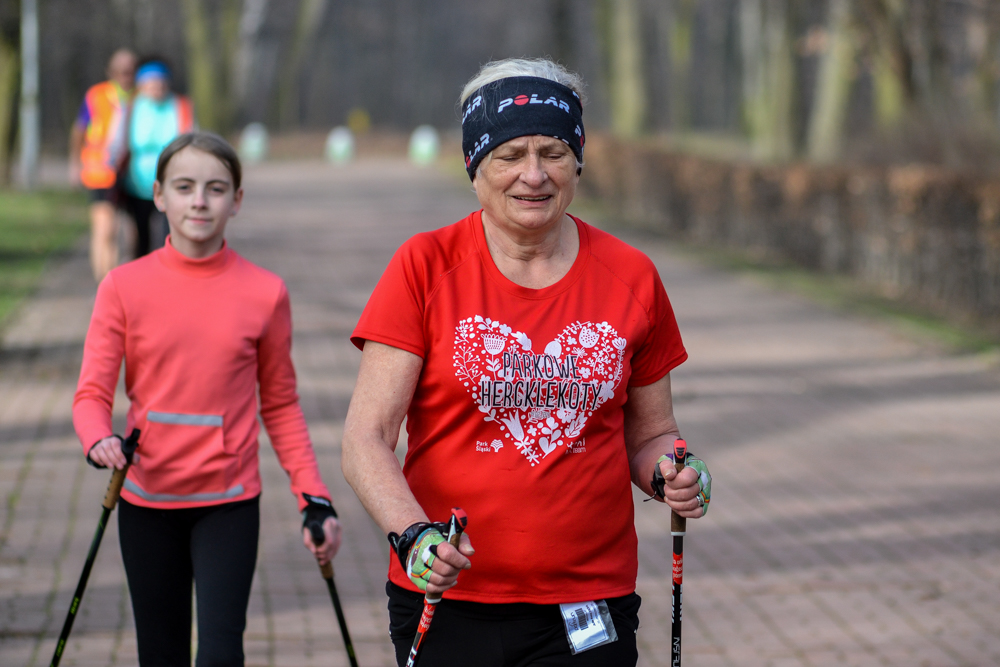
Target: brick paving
{"type": "Point", "coordinates": [855, 514]}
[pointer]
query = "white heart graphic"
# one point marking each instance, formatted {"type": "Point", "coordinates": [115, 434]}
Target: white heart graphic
{"type": "Point", "coordinates": [540, 402]}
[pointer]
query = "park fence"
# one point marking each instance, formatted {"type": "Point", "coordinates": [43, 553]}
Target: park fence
{"type": "Point", "coordinates": [922, 234]}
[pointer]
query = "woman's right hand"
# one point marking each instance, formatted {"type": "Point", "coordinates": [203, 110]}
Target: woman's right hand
{"type": "Point", "coordinates": [448, 564]}
{"type": "Point", "coordinates": [108, 453]}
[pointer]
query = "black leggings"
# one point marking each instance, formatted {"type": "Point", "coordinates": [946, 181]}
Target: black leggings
{"type": "Point", "coordinates": [149, 224]}
{"type": "Point", "coordinates": [505, 635]}
{"type": "Point", "coordinates": [163, 551]}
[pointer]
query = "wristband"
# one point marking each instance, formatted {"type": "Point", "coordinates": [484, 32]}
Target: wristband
{"type": "Point", "coordinates": [416, 549]}
{"type": "Point", "coordinates": [401, 543]}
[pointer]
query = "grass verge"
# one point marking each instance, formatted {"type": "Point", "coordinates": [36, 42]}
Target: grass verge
{"type": "Point", "coordinates": [33, 227]}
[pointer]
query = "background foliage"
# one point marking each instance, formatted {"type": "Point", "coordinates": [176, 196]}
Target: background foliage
{"type": "Point", "coordinates": [776, 80]}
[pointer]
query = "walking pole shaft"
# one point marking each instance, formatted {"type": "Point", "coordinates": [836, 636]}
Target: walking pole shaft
{"type": "Point", "coordinates": [456, 525]}
{"type": "Point", "coordinates": [327, 572]}
{"type": "Point", "coordinates": [110, 501]}
{"type": "Point", "coordinates": [80, 587]}
{"type": "Point", "coordinates": [678, 526]}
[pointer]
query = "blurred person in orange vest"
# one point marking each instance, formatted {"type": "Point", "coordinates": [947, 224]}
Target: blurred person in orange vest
{"type": "Point", "coordinates": [97, 152]}
{"type": "Point", "coordinates": [157, 117]}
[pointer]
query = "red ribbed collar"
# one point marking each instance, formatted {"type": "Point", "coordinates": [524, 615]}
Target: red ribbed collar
{"type": "Point", "coordinates": [506, 284]}
{"type": "Point", "coordinates": [196, 268]}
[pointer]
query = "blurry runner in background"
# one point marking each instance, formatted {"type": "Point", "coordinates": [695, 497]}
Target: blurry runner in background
{"type": "Point", "coordinates": [97, 152]}
{"type": "Point", "coordinates": [158, 116]}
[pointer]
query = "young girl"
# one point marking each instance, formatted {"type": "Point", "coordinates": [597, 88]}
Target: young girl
{"type": "Point", "coordinates": [201, 330]}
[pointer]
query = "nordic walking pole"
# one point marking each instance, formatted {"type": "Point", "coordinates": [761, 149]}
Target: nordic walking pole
{"type": "Point", "coordinates": [678, 526]}
{"type": "Point", "coordinates": [110, 500]}
{"type": "Point", "coordinates": [456, 524]}
{"type": "Point", "coordinates": [316, 530]}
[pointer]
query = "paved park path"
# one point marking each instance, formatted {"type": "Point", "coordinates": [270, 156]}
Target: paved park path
{"type": "Point", "coordinates": [856, 516]}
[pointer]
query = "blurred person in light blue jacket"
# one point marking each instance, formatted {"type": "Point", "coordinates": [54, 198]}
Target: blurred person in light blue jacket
{"type": "Point", "coordinates": [158, 116]}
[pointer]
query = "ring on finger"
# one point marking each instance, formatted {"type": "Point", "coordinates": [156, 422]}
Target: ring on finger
{"type": "Point", "coordinates": [701, 501]}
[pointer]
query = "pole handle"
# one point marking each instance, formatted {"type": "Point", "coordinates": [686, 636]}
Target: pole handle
{"type": "Point", "coordinates": [114, 491]}
{"type": "Point", "coordinates": [456, 525]}
{"type": "Point", "coordinates": [678, 524]}
{"type": "Point", "coordinates": [318, 538]}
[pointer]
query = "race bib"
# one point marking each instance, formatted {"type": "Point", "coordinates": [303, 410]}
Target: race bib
{"type": "Point", "coordinates": [588, 625]}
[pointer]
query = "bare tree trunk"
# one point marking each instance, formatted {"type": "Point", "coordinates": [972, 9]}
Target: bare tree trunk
{"type": "Point", "coordinates": [143, 19]}
{"type": "Point", "coordinates": [289, 85]}
{"type": "Point", "coordinates": [780, 75]}
{"type": "Point", "coordinates": [751, 37]}
{"type": "Point", "coordinates": [983, 39]}
{"type": "Point", "coordinates": [628, 92]}
{"type": "Point", "coordinates": [769, 78]}
{"type": "Point", "coordinates": [250, 24]}
{"type": "Point", "coordinates": [833, 88]}
{"type": "Point", "coordinates": [10, 64]}
{"type": "Point", "coordinates": [29, 119]}
{"type": "Point", "coordinates": [890, 94]}
{"type": "Point", "coordinates": [562, 35]}
{"type": "Point", "coordinates": [678, 31]}
{"type": "Point", "coordinates": [930, 66]}
{"type": "Point", "coordinates": [230, 42]}
{"type": "Point", "coordinates": [993, 60]}
{"type": "Point", "coordinates": [892, 62]}
{"type": "Point", "coordinates": [204, 85]}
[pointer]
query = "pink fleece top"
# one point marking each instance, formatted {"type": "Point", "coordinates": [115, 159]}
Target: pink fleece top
{"type": "Point", "coordinates": [199, 336]}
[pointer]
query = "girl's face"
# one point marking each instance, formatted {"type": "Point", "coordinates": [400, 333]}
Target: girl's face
{"type": "Point", "coordinates": [198, 197]}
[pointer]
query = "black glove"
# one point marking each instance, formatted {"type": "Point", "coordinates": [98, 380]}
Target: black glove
{"type": "Point", "coordinates": [317, 511]}
{"type": "Point", "coordinates": [129, 446]}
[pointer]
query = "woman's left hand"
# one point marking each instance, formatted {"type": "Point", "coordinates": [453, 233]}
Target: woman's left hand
{"type": "Point", "coordinates": [650, 432]}
{"type": "Point", "coordinates": [681, 490]}
{"type": "Point", "coordinates": [325, 552]}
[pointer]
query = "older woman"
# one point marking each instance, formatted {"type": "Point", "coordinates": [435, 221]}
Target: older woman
{"type": "Point", "coordinates": [531, 354]}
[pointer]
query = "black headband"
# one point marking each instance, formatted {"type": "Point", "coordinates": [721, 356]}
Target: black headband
{"type": "Point", "coordinates": [515, 107]}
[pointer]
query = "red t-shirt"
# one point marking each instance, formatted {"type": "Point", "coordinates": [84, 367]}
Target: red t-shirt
{"type": "Point", "coordinates": [517, 414]}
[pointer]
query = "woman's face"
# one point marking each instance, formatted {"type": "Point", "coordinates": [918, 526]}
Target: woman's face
{"type": "Point", "coordinates": [198, 197]}
{"type": "Point", "coordinates": [528, 183]}
{"type": "Point", "coordinates": [155, 87]}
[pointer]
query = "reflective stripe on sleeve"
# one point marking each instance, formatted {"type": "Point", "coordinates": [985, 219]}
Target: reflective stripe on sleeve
{"type": "Point", "coordinates": [177, 498]}
{"type": "Point", "coordinates": [184, 419]}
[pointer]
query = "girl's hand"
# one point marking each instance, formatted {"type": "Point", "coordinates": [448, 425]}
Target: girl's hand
{"type": "Point", "coordinates": [108, 453]}
{"type": "Point", "coordinates": [325, 552]}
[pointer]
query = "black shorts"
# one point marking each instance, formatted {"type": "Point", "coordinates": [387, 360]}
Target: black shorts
{"type": "Point", "coordinates": [109, 195]}
{"type": "Point", "coordinates": [502, 635]}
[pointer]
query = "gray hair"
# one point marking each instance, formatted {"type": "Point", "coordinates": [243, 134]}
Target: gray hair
{"type": "Point", "coordinates": [542, 68]}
